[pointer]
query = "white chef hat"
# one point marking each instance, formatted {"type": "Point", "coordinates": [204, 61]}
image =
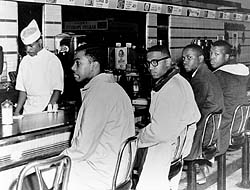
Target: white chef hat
{"type": "Point", "coordinates": [30, 33]}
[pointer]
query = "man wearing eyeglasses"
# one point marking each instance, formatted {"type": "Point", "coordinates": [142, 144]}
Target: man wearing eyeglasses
{"type": "Point", "coordinates": [172, 109]}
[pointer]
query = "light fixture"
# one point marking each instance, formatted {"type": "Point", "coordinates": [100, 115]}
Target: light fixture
{"type": "Point", "coordinates": [222, 8]}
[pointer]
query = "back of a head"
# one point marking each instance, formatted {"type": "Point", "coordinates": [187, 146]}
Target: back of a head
{"type": "Point", "coordinates": [160, 48]}
{"type": "Point", "coordinates": [222, 43]}
{"type": "Point", "coordinates": [195, 48]}
{"type": "Point", "coordinates": [96, 52]}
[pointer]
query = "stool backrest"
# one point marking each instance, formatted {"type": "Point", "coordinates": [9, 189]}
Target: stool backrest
{"type": "Point", "coordinates": [241, 112]}
{"type": "Point", "coordinates": [125, 159]}
{"type": "Point", "coordinates": [61, 164]}
{"type": "Point", "coordinates": [214, 120]}
{"type": "Point", "coordinates": [183, 147]}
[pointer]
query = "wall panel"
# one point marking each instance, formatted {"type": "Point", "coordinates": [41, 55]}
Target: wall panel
{"type": "Point", "coordinates": [8, 36]}
{"type": "Point", "coordinates": [52, 24]}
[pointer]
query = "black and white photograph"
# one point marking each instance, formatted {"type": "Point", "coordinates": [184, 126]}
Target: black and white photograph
{"type": "Point", "coordinates": [124, 94]}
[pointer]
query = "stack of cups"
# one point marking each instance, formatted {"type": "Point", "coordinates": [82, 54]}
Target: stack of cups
{"type": "Point", "coordinates": [7, 112]}
{"type": "Point", "coordinates": [53, 108]}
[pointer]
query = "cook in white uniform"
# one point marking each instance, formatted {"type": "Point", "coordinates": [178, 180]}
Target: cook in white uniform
{"type": "Point", "coordinates": [40, 74]}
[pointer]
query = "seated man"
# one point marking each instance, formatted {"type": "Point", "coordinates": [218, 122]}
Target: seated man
{"type": "Point", "coordinates": [104, 121]}
{"type": "Point", "coordinates": [207, 91]}
{"type": "Point", "coordinates": [172, 109]}
{"type": "Point", "coordinates": [233, 78]}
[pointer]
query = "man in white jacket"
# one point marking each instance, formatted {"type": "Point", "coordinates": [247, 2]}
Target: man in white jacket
{"type": "Point", "coordinates": [233, 78]}
{"type": "Point", "coordinates": [104, 121]}
{"type": "Point", "coordinates": [172, 109]}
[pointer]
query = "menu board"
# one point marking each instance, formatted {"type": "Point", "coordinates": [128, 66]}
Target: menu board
{"type": "Point", "coordinates": [149, 6]}
{"type": "Point", "coordinates": [155, 7]}
{"type": "Point", "coordinates": [193, 12]}
{"type": "Point", "coordinates": [176, 10]}
{"type": "Point", "coordinates": [131, 5]}
{"type": "Point", "coordinates": [101, 3]}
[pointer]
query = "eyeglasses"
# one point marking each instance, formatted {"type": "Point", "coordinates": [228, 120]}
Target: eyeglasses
{"type": "Point", "coordinates": [155, 62]}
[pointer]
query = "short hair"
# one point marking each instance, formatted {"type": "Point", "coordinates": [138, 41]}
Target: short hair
{"type": "Point", "coordinates": [161, 48]}
{"type": "Point", "coordinates": [222, 43]}
{"type": "Point", "coordinates": [194, 47]}
{"type": "Point", "coordinates": [96, 53]}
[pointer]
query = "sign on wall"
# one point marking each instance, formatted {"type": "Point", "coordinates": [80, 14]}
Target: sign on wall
{"type": "Point", "coordinates": [121, 58]}
{"type": "Point", "coordinates": [86, 25]}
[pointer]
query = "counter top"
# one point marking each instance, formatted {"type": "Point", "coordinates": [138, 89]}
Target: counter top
{"type": "Point", "coordinates": [32, 124]}
{"type": "Point", "coordinates": [35, 136]}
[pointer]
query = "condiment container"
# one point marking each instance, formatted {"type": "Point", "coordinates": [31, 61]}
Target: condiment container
{"type": "Point", "coordinates": [7, 112]}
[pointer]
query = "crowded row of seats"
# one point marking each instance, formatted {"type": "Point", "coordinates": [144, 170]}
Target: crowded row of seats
{"type": "Point", "coordinates": [233, 126]}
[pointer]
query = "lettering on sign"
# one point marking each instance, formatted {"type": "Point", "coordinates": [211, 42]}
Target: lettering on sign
{"type": "Point", "coordinates": [86, 25]}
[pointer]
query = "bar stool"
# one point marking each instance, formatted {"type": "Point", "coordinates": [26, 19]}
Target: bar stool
{"type": "Point", "coordinates": [125, 159]}
{"type": "Point", "coordinates": [179, 154]}
{"type": "Point", "coordinates": [241, 112]}
{"type": "Point", "coordinates": [184, 144]}
{"type": "Point", "coordinates": [210, 149]}
{"type": "Point", "coordinates": [33, 172]}
{"type": "Point", "coordinates": [241, 139]}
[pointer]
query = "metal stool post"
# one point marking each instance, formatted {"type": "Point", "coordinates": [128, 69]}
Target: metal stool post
{"type": "Point", "coordinates": [245, 183]}
{"type": "Point", "coordinates": [191, 175]}
{"type": "Point", "coordinates": [221, 177]}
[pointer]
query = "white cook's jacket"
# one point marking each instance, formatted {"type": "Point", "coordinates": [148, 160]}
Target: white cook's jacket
{"type": "Point", "coordinates": [38, 76]}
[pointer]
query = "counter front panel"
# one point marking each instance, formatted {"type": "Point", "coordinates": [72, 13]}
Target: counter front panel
{"type": "Point", "coordinates": [35, 136]}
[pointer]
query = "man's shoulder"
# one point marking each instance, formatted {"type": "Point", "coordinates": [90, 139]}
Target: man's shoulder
{"type": "Point", "coordinates": [233, 69]}
{"type": "Point", "coordinates": [25, 60]}
{"type": "Point", "coordinates": [204, 74]}
{"type": "Point", "coordinates": [50, 55]}
{"type": "Point", "coordinates": [204, 70]}
{"type": "Point", "coordinates": [47, 52]}
{"type": "Point", "coordinates": [178, 81]}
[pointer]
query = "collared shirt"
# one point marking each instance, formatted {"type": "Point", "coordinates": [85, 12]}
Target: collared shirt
{"type": "Point", "coordinates": [194, 72]}
{"type": "Point", "coordinates": [38, 76]}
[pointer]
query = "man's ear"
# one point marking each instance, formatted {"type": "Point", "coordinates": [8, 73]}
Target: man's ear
{"type": "Point", "coordinates": [96, 66]}
{"type": "Point", "coordinates": [40, 41]}
{"type": "Point", "coordinates": [227, 56]}
{"type": "Point", "coordinates": [201, 58]}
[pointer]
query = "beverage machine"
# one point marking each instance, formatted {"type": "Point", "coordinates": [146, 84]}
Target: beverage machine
{"type": "Point", "coordinates": [65, 45]}
{"type": "Point", "coordinates": [205, 45]}
{"type": "Point", "coordinates": [127, 63]}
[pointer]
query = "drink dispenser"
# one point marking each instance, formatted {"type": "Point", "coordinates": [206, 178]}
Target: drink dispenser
{"type": "Point", "coordinates": [205, 45]}
{"type": "Point", "coordinates": [65, 45]}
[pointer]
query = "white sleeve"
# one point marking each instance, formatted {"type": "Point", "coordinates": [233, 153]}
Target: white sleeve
{"type": "Point", "coordinates": [20, 80]}
{"type": "Point", "coordinates": [57, 74]}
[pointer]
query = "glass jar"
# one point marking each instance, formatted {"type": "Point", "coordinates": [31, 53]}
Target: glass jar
{"type": "Point", "coordinates": [7, 112]}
